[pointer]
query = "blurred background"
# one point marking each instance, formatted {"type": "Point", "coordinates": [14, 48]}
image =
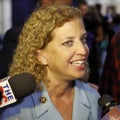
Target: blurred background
{"type": "Point", "coordinates": [15, 11]}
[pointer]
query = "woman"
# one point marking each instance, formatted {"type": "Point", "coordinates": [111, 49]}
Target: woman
{"type": "Point", "coordinates": [52, 47]}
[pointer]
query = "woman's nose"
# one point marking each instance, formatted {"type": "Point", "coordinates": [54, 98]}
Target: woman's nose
{"type": "Point", "coordinates": [82, 49]}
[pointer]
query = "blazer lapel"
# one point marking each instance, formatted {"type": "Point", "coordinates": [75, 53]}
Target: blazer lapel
{"type": "Point", "coordinates": [40, 107]}
{"type": "Point", "coordinates": [81, 110]}
{"type": "Point", "coordinates": [44, 109]}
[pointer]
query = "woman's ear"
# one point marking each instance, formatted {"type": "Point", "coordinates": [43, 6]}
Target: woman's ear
{"type": "Point", "coordinates": [41, 58]}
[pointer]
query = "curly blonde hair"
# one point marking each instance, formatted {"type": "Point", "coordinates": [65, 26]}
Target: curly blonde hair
{"type": "Point", "coordinates": [36, 34]}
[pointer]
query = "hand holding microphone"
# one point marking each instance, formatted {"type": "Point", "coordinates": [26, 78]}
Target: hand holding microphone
{"type": "Point", "coordinates": [16, 87]}
{"type": "Point", "coordinates": [109, 107]}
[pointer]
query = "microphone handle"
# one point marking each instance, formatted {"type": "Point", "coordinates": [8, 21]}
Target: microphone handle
{"type": "Point", "coordinates": [113, 114]}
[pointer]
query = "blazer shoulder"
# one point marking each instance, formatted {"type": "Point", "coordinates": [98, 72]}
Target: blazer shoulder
{"type": "Point", "coordinates": [88, 89]}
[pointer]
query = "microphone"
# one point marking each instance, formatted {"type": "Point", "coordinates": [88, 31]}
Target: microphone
{"type": "Point", "coordinates": [110, 109]}
{"type": "Point", "coordinates": [16, 87]}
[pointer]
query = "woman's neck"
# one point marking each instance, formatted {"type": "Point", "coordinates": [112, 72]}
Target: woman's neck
{"type": "Point", "coordinates": [58, 89]}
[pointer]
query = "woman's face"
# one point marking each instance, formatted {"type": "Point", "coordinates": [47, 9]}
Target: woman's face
{"type": "Point", "coordinates": [67, 53]}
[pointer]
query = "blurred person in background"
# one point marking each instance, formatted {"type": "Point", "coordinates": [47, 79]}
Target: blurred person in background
{"type": "Point", "coordinates": [110, 13]}
{"type": "Point", "coordinates": [10, 41]}
{"type": "Point", "coordinates": [98, 7]}
{"type": "Point", "coordinates": [116, 23]}
{"type": "Point", "coordinates": [83, 6]}
{"type": "Point", "coordinates": [102, 44]}
{"type": "Point", "coordinates": [110, 78]}
{"type": "Point", "coordinates": [93, 26]}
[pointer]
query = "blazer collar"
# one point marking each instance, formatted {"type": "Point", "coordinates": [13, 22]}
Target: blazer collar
{"type": "Point", "coordinates": [81, 107]}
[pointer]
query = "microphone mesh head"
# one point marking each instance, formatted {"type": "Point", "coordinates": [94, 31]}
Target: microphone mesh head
{"type": "Point", "coordinates": [22, 84]}
{"type": "Point", "coordinates": [105, 102]}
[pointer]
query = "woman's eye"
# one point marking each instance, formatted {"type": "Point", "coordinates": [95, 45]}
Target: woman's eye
{"type": "Point", "coordinates": [84, 40]}
{"type": "Point", "coordinates": [68, 43]}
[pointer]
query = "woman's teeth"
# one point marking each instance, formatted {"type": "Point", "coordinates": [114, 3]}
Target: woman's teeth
{"type": "Point", "coordinates": [77, 63]}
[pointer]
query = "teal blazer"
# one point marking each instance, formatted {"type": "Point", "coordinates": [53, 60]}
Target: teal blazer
{"type": "Point", "coordinates": [38, 106]}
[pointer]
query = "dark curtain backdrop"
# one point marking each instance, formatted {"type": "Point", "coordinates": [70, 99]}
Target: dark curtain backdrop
{"type": "Point", "coordinates": [21, 9]}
